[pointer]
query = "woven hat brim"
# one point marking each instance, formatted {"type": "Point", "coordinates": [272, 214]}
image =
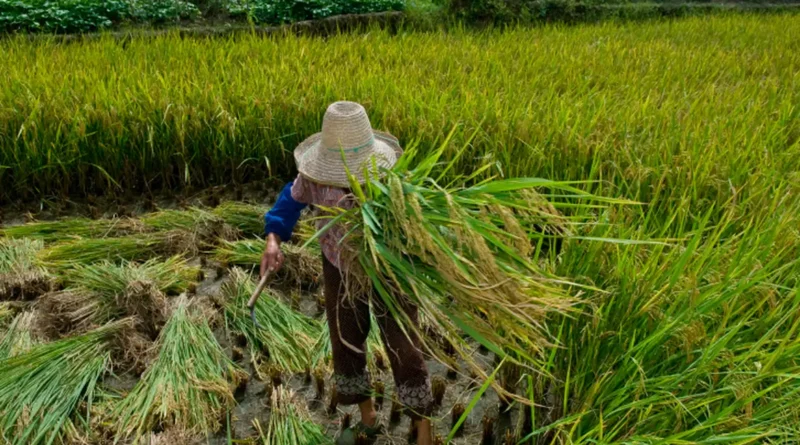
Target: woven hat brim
{"type": "Point", "coordinates": [386, 151]}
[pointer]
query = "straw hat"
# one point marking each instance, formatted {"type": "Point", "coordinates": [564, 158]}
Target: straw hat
{"type": "Point", "coordinates": [345, 130]}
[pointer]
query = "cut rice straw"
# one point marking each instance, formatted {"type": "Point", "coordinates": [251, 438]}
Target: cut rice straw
{"type": "Point", "coordinates": [286, 338]}
{"type": "Point", "coordinates": [41, 389]}
{"type": "Point", "coordinates": [187, 386]}
{"type": "Point", "coordinates": [141, 247]}
{"type": "Point", "coordinates": [289, 422]}
{"type": "Point", "coordinates": [54, 231]}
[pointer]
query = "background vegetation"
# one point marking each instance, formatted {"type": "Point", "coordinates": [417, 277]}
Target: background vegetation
{"type": "Point", "coordinates": [688, 330]}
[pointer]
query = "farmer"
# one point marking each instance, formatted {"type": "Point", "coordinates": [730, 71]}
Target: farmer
{"type": "Point", "coordinates": [348, 138]}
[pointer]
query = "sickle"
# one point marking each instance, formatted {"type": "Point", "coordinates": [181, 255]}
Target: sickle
{"type": "Point", "coordinates": [251, 304]}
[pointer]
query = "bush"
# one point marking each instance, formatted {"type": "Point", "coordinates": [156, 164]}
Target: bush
{"type": "Point", "coordinates": [70, 16]}
{"type": "Point", "coordinates": [278, 11]}
{"type": "Point", "coordinates": [161, 11]}
{"type": "Point", "coordinates": [60, 15]}
{"type": "Point", "coordinates": [524, 11]}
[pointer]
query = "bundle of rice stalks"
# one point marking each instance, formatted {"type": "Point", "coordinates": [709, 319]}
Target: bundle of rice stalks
{"type": "Point", "coordinates": [7, 312]}
{"type": "Point", "coordinates": [41, 389]}
{"type": "Point", "coordinates": [104, 291]}
{"type": "Point", "coordinates": [204, 225]}
{"type": "Point", "coordinates": [54, 231]}
{"type": "Point", "coordinates": [248, 218]}
{"type": "Point", "coordinates": [21, 336]}
{"type": "Point", "coordinates": [289, 422]}
{"type": "Point", "coordinates": [286, 338]}
{"type": "Point", "coordinates": [461, 250]}
{"type": "Point", "coordinates": [187, 387]}
{"type": "Point", "coordinates": [171, 276]}
{"type": "Point", "coordinates": [20, 277]}
{"type": "Point", "coordinates": [139, 247]}
{"type": "Point", "coordinates": [302, 265]}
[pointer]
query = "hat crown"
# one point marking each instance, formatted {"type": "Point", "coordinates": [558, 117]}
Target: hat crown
{"type": "Point", "coordinates": [346, 127]}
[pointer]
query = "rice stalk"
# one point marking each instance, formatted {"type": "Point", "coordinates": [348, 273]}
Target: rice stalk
{"type": "Point", "coordinates": [21, 336]}
{"type": "Point", "coordinates": [54, 231]}
{"type": "Point", "coordinates": [287, 337]}
{"type": "Point", "coordinates": [289, 422]}
{"type": "Point", "coordinates": [40, 390]}
{"type": "Point", "coordinates": [172, 275]}
{"type": "Point", "coordinates": [248, 218]}
{"type": "Point", "coordinates": [141, 247]}
{"type": "Point", "coordinates": [204, 225]}
{"type": "Point", "coordinates": [20, 277]}
{"type": "Point", "coordinates": [186, 387]}
{"type": "Point", "coordinates": [302, 266]}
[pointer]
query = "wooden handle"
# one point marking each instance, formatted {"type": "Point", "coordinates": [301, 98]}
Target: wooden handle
{"type": "Point", "coordinates": [260, 288]}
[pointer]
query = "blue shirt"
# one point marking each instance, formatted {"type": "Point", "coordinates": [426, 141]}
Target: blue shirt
{"type": "Point", "coordinates": [283, 216]}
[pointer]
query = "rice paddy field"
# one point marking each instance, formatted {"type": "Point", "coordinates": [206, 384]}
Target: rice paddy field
{"type": "Point", "coordinates": [124, 269]}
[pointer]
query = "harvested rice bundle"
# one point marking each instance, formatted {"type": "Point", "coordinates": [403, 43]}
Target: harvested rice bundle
{"type": "Point", "coordinates": [286, 337]}
{"type": "Point", "coordinates": [41, 389]}
{"type": "Point", "coordinates": [171, 276]}
{"type": "Point", "coordinates": [20, 277]}
{"type": "Point", "coordinates": [21, 336]}
{"type": "Point", "coordinates": [204, 225]}
{"type": "Point", "coordinates": [302, 266]}
{"type": "Point", "coordinates": [461, 250]}
{"type": "Point", "coordinates": [248, 218]}
{"type": "Point", "coordinates": [7, 312]}
{"type": "Point", "coordinates": [139, 247]}
{"type": "Point", "coordinates": [289, 422]}
{"type": "Point", "coordinates": [103, 291]}
{"type": "Point", "coordinates": [187, 386]}
{"type": "Point", "coordinates": [54, 231]}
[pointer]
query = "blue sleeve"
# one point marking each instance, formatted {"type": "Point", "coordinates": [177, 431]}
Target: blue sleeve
{"type": "Point", "coordinates": [283, 216]}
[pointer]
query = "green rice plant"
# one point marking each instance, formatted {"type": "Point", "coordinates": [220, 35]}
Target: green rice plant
{"type": "Point", "coordinates": [302, 264]}
{"type": "Point", "coordinates": [289, 422]}
{"type": "Point", "coordinates": [187, 386]}
{"type": "Point", "coordinates": [693, 342]}
{"type": "Point", "coordinates": [54, 231]}
{"type": "Point", "coordinates": [286, 337]}
{"type": "Point", "coordinates": [20, 337]}
{"type": "Point", "coordinates": [42, 389]}
{"type": "Point", "coordinates": [140, 247]}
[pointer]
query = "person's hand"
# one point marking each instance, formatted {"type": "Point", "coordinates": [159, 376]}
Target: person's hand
{"type": "Point", "coordinates": [272, 260]}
